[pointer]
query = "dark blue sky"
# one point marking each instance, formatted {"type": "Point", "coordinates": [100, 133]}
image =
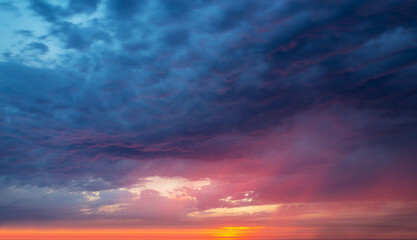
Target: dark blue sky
{"type": "Point", "coordinates": [315, 101]}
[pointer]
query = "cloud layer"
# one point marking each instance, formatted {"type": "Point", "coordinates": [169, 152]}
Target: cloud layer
{"type": "Point", "coordinates": [270, 102]}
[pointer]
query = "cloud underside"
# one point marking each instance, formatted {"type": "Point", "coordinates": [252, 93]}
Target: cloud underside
{"type": "Point", "coordinates": [161, 111]}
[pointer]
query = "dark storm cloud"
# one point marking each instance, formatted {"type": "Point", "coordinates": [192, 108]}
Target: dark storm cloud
{"type": "Point", "coordinates": [124, 9]}
{"type": "Point", "coordinates": [38, 47]}
{"type": "Point", "coordinates": [55, 13]}
{"type": "Point", "coordinates": [175, 38]}
{"type": "Point", "coordinates": [47, 11]}
{"type": "Point", "coordinates": [83, 6]}
{"type": "Point", "coordinates": [78, 38]}
{"type": "Point", "coordinates": [25, 33]}
{"type": "Point", "coordinates": [160, 80]}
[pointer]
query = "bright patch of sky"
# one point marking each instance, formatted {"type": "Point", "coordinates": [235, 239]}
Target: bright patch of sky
{"type": "Point", "coordinates": [168, 187]}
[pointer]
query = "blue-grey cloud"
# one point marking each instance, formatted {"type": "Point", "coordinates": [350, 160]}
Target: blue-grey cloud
{"type": "Point", "coordinates": [136, 82]}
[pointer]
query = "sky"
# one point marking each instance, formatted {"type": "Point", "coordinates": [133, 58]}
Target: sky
{"type": "Point", "coordinates": [228, 119]}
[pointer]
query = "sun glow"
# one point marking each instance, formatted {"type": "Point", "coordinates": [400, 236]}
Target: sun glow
{"type": "Point", "coordinates": [218, 233]}
{"type": "Point", "coordinates": [214, 233]}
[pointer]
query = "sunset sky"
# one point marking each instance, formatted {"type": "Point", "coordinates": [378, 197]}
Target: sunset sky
{"type": "Point", "coordinates": [222, 119]}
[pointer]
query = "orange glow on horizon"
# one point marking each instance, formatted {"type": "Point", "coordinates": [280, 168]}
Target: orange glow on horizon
{"type": "Point", "coordinates": [206, 233]}
{"type": "Point", "coordinates": [219, 233]}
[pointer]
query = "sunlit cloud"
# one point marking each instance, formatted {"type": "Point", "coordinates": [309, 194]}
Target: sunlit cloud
{"type": "Point", "coordinates": [91, 196]}
{"type": "Point", "coordinates": [175, 187]}
{"type": "Point", "coordinates": [236, 211]}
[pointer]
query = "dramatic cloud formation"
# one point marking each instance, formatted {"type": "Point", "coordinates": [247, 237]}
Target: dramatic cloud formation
{"type": "Point", "coordinates": [294, 114]}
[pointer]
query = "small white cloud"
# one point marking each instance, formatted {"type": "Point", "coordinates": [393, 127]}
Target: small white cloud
{"type": "Point", "coordinates": [91, 196]}
{"type": "Point", "coordinates": [236, 211]}
{"type": "Point", "coordinates": [175, 187]}
{"type": "Point", "coordinates": [111, 208]}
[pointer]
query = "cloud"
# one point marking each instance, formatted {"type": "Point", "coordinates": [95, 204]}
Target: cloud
{"type": "Point", "coordinates": [289, 101]}
{"type": "Point", "coordinates": [125, 9]}
{"type": "Point", "coordinates": [78, 6]}
{"type": "Point", "coordinates": [37, 47]}
{"type": "Point", "coordinates": [47, 11]}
